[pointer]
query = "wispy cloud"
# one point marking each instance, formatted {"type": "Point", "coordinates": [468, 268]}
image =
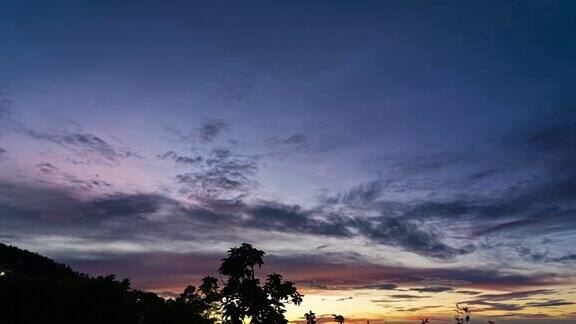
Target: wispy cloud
{"type": "Point", "coordinates": [49, 171]}
{"type": "Point", "coordinates": [86, 147]}
{"type": "Point", "coordinates": [206, 132]}
{"type": "Point", "coordinates": [182, 159]}
{"type": "Point", "coordinates": [432, 289]}
{"type": "Point", "coordinates": [221, 176]}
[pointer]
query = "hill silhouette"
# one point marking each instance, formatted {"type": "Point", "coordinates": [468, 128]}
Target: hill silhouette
{"type": "Point", "coordinates": [27, 263]}
{"type": "Point", "coordinates": [36, 289]}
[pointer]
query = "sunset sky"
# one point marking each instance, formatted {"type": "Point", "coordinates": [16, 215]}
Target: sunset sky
{"type": "Point", "coordinates": [393, 158]}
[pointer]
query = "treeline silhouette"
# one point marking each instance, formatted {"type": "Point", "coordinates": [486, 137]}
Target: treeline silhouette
{"type": "Point", "coordinates": [35, 289]}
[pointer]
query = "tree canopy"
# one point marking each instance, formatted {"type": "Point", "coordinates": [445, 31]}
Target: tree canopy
{"type": "Point", "coordinates": [243, 296]}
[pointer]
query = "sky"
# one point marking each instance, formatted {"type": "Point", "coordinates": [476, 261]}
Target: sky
{"type": "Point", "coordinates": [393, 158]}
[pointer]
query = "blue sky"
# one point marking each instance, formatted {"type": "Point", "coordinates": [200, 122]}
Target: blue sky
{"type": "Point", "coordinates": [394, 136]}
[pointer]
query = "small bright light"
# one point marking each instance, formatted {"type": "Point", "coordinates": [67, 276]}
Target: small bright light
{"type": "Point", "coordinates": [2, 273]}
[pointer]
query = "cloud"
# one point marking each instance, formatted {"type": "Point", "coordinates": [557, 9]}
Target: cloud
{"type": "Point", "coordinates": [222, 176]}
{"type": "Point", "coordinates": [283, 147]}
{"type": "Point", "coordinates": [524, 315]}
{"type": "Point", "coordinates": [314, 144]}
{"type": "Point", "coordinates": [344, 299]}
{"type": "Point", "coordinates": [45, 205]}
{"type": "Point", "coordinates": [545, 255]}
{"type": "Point", "coordinates": [383, 230]}
{"type": "Point", "coordinates": [128, 205]}
{"type": "Point", "coordinates": [360, 196]}
{"type": "Point", "coordinates": [492, 306]}
{"type": "Point", "coordinates": [142, 218]}
{"type": "Point", "coordinates": [46, 167]}
{"type": "Point", "coordinates": [280, 217]}
{"type": "Point", "coordinates": [87, 147]}
{"type": "Point", "coordinates": [50, 171]}
{"type": "Point", "coordinates": [168, 271]}
{"type": "Point", "coordinates": [92, 147]}
{"type": "Point", "coordinates": [334, 273]}
{"type": "Point", "coordinates": [565, 258]}
{"type": "Point", "coordinates": [518, 187]}
{"type": "Point", "coordinates": [468, 292]}
{"type": "Point", "coordinates": [495, 306]}
{"type": "Point", "coordinates": [140, 214]}
{"type": "Point", "coordinates": [407, 297]}
{"type": "Point", "coordinates": [208, 131]}
{"type": "Point", "coordinates": [441, 227]}
{"type": "Point", "coordinates": [395, 225]}
{"type": "Point", "coordinates": [386, 286]}
{"type": "Point", "coordinates": [550, 303]}
{"type": "Point", "coordinates": [494, 301]}
{"type": "Point", "coordinates": [295, 141]}
{"type": "Point", "coordinates": [432, 289]}
{"type": "Point", "coordinates": [416, 309]}
{"type": "Point", "coordinates": [552, 131]}
{"type": "Point", "coordinates": [216, 191]}
{"type": "Point", "coordinates": [182, 159]}
{"type": "Point", "coordinates": [402, 233]}
{"type": "Point", "coordinates": [515, 295]}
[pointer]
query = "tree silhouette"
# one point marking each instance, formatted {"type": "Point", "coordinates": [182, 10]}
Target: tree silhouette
{"type": "Point", "coordinates": [425, 321]}
{"type": "Point", "coordinates": [196, 306]}
{"type": "Point", "coordinates": [462, 314]}
{"type": "Point", "coordinates": [338, 318]}
{"type": "Point", "coordinates": [310, 318]}
{"type": "Point", "coordinates": [242, 295]}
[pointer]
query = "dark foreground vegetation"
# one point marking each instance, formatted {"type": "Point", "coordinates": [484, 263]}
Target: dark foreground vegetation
{"type": "Point", "coordinates": [35, 289]}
